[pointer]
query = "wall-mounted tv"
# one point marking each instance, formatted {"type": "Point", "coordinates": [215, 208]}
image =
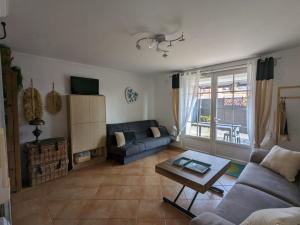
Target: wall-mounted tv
{"type": "Point", "coordinates": [84, 86]}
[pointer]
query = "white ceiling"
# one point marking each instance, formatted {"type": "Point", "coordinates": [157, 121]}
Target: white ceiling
{"type": "Point", "coordinates": [100, 32]}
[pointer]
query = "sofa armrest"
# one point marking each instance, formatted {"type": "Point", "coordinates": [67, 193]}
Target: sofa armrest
{"type": "Point", "coordinates": [208, 218]}
{"type": "Point", "coordinates": [257, 155]}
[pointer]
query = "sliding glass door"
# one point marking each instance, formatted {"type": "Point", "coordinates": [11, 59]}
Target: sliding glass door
{"type": "Point", "coordinates": [220, 114]}
{"type": "Point", "coordinates": [199, 124]}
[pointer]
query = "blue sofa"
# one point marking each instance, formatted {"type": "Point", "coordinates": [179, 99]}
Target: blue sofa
{"type": "Point", "coordinates": [144, 144]}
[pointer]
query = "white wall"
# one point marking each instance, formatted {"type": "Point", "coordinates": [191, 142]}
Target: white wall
{"type": "Point", "coordinates": [44, 71]}
{"type": "Point", "coordinates": [163, 100]}
{"type": "Point", "coordinates": [286, 73]}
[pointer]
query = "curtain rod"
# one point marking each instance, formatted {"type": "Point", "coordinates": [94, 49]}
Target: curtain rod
{"type": "Point", "coordinates": [224, 68]}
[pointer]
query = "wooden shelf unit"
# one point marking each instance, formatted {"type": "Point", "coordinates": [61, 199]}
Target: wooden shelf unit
{"type": "Point", "coordinates": [86, 126]}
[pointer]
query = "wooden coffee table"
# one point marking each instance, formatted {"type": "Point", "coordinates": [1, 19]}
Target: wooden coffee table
{"type": "Point", "coordinates": [199, 182]}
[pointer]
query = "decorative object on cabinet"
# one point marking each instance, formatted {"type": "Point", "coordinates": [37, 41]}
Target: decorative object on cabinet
{"type": "Point", "coordinates": [130, 95]}
{"type": "Point", "coordinates": [87, 127]}
{"type": "Point", "coordinates": [32, 103]}
{"type": "Point", "coordinates": [37, 132]}
{"type": "Point", "coordinates": [53, 101]}
{"type": "Point", "coordinates": [47, 160]}
{"type": "Point", "coordinates": [10, 94]}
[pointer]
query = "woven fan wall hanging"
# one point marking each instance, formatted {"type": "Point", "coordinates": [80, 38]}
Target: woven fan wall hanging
{"type": "Point", "coordinates": [53, 101]}
{"type": "Point", "coordinates": [32, 104]}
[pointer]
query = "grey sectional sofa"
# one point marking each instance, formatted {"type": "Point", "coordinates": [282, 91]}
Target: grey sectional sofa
{"type": "Point", "coordinates": [256, 188]}
{"type": "Point", "coordinates": [145, 144]}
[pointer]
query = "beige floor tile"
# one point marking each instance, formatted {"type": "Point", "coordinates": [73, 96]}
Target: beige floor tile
{"type": "Point", "coordinates": [132, 180]}
{"type": "Point", "coordinates": [149, 171]}
{"type": "Point", "coordinates": [62, 193]}
{"type": "Point", "coordinates": [124, 209]}
{"type": "Point", "coordinates": [121, 222]}
{"type": "Point", "coordinates": [55, 206]}
{"type": "Point", "coordinates": [150, 221]}
{"type": "Point", "coordinates": [108, 192]}
{"type": "Point", "coordinates": [31, 212]}
{"type": "Point", "coordinates": [111, 194]}
{"type": "Point", "coordinates": [151, 192]}
{"type": "Point", "coordinates": [73, 209]}
{"type": "Point", "coordinates": [150, 180]}
{"type": "Point", "coordinates": [171, 191]}
{"type": "Point", "coordinates": [185, 221]}
{"type": "Point", "coordinates": [27, 194]}
{"type": "Point", "coordinates": [173, 213]}
{"type": "Point", "coordinates": [131, 192]}
{"type": "Point", "coordinates": [132, 171]}
{"type": "Point", "coordinates": [66, 222]}
{"type": "Point", "coordinates": [97, 209]}
{"type": "Point", "coordinates": [86, 193]}
{"type": "Point", "coordinates": [149, 209]}
{"type": "Point", "coordinates": [93, 222]}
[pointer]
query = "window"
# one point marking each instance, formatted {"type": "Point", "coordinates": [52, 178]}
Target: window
{"type": "Point", "coordinates": [221, 95]}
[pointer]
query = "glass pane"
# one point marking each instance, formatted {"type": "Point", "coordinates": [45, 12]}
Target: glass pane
{"type": "Point", "coordinates": [225, 83]}
{"type": "Point", "coordinates": [199, 122]}
{"type": "Point", "coordinates": [224, 113]}
{"type": "Point", "coordinates": [240, 82]}
{"type": "Point", "coordinates": [240, 132]}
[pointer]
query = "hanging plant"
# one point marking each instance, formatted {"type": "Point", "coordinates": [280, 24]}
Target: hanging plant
{"type": "Point", "coordinates": [18, 71]}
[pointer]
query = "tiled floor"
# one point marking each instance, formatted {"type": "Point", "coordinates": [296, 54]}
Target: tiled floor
{"type": "Point", "coordinates": [111, 194]}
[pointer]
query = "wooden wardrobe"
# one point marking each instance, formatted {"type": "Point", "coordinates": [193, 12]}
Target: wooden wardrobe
{"type": "Point", "coordinates": [87, 125]}
{"type": "Point", "coordinates": [10, 92]}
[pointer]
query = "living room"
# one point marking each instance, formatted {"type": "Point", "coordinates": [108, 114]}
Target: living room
{"type": "Point", "coordinates": [150, 112]}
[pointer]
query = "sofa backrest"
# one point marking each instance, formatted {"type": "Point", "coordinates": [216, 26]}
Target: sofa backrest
{"type": "Point", "coordinates": [141, 129]}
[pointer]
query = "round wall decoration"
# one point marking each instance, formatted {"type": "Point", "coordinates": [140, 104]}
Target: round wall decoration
{"type": "Point", "coordinates": [130, 95]}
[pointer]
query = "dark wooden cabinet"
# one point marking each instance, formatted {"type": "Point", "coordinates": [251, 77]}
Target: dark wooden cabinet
{"type": "Point", "coordinates": [10, 92]}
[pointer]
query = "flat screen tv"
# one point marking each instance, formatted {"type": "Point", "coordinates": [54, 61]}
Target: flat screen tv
{"type": "Point", "coordinates": [84, 86]}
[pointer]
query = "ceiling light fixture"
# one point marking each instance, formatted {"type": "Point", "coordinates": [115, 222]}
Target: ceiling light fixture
{"type": "Point", "coordinates": [158, 39]}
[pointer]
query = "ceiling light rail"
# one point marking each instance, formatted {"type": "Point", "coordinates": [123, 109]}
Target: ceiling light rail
{"type": "Point", "coordinates": [157, 40]}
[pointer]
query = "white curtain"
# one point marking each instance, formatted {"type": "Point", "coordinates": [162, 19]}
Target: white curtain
{"type": "Point", "coordinates": [187, 98]}
{"type": "Point", "coordinates": [251, 101]}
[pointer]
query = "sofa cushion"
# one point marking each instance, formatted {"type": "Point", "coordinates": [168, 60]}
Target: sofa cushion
{"type": "Point", "coordinates": [274, 216]}
{"type": "Point", "coordinates": [151, 142]}
{"type": "Point", "coordinates": [283, 161]}
{"type": "Point", "coordinates": [120, 139]}
{"type": "Point", "coordinates": [266, 180]}
{"type": "Point", "coordinates": [242, 200]}
{"type": "Point", "coordinates": [130, 137]}
{"type": "Point", "coordinates": [155, 132]}
{"type": "Point", "coordinates": [163, 131]}
{"type": "Point", "coordinates": [209, 218]}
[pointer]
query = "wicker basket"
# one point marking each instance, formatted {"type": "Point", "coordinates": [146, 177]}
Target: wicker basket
{"type": "Point", "coordinates": [43, 173]}
{"type": "Point", "coordinates": [46, 151]}
{"type": "Point", "coordinates": [47, 160]}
